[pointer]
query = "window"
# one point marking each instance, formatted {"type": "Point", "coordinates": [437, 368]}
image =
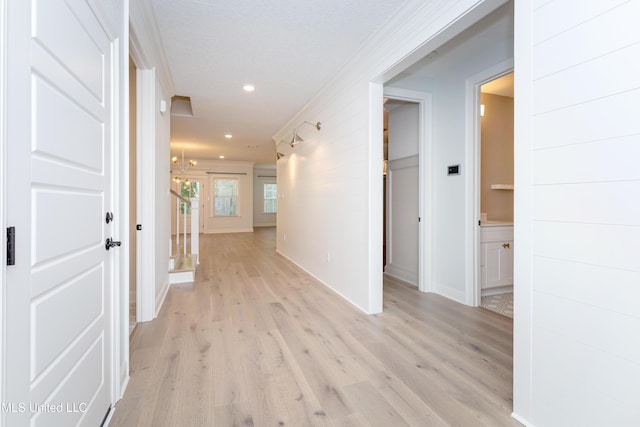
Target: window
{"type": "Point", "coordinates": [188, 190]}
{"type": "Point", "coordinates": [270, 198]}
{"type": "Point", "coordinates": [225, 197]}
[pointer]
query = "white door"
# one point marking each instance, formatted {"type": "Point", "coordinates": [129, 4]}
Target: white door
{"type": "Point", "coordinates": [59, 140]}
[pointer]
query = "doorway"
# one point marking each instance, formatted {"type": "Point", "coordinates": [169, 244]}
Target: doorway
{"type": "Point", "coordinates": [400, 174]}
{"type": "Point", "coordinates": [495, 188]}
{"type": "Point", "coordinates": [451, 73]}
{"type": "Point", "coordinates": [406, 220]}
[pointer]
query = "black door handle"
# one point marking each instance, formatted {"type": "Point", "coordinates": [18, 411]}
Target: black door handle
{"type": "Point", "coordinates": [109, 243]}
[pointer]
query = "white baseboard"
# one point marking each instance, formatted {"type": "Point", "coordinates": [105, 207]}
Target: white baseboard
{"type": "Point", "coordinates": [323, 283]}
{"type": "Point", "coordinates": [401, 273]}
{"type": "Point", "coordinates": [449, 292]}
{"type": "Point", "coordinates": [181, 276]}
{"type": "Point", "coordinates": [162, 297]}
{"type": "Point", "coordinates": [496, 291]}
{"type": "Point", "coordinates": [521, 420]}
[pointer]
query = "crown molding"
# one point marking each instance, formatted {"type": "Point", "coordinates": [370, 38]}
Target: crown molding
{"type": "Point", "coordinates": [145, 43]}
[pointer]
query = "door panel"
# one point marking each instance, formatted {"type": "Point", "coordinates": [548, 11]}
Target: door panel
{"type": "Point", "coordinates": [63, 274]}
{"type": "Point", "coordinates": [64, 223]}
{"type": "Point", "coordinates": [81, 130]}
{"type": "Point", "coordinates": [74, 47]}
{"type": "Point", "coordinates": [52, 333]}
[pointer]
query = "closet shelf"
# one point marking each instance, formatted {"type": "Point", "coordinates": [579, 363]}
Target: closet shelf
{"type": "Point", "coordinates": [502, 187]}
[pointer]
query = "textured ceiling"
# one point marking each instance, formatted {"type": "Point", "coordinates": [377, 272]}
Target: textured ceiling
{"type": "Point", "coordinates": [289, 49]}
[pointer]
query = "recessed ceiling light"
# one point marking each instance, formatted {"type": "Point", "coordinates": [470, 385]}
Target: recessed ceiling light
{"type": "Point", "coordinates": [248, 87]}
{"type": "Point", "coordinates": [228, 136]}
{"type": "Point", "coordinates": [221, 157]}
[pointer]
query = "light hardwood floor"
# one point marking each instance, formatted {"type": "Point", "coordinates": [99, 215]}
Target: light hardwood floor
{"type": "Point", "coordinates": [258, 342]}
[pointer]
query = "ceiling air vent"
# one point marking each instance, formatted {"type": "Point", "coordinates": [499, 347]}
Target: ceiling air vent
{"type": "Point", "coordinates": [181, 106]}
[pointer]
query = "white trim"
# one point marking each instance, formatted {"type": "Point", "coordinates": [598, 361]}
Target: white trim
{"type": "Point", "coordinates": [160, 300]}
{"type": "Point", "coordinates": [521, 420]}
{"type": "Point", "coordinates": [472, 177]}
{"type": "Point", "coordinates": [3, 178]}
{"type": "Point", "coordinates": [120, 265]}
{"type": "Point", "coordinates": [230, 230]}
{"type": "Point", "coordinates": [317, 279]}
{"type": "Point", "coordinates": [404, 274]}
{"type": "Point", "coordinates": [145, 187]}
{"type": "Point", "coordinates": [121, 363]}
{"type": "Point", "coordinates": [376, 141]}
{"type": "Point", "coordinates": [523, 212]}
{"type": "Point", "coordinates": [143, 31]}
{"type": "Point", "coordinates": [425, 183]}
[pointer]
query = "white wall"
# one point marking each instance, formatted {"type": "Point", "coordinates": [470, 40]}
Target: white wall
{"type": "Point", "coordinates": [262, 175]}
{"type": "Point", "coordinates": [403, 128]}
{"type": "Point", "coordinates": [577, 323]}
{"type": "Point", "coordinates": [162, 227]}
{"type": "Point", "coordinates": [328, 183]}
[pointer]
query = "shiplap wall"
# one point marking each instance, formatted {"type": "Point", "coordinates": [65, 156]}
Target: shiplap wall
{"type": "Point", "coordinates": [577, 325]}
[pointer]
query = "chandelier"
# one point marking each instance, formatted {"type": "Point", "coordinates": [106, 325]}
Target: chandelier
{"type": "Point", "coordinates": [181, 167]}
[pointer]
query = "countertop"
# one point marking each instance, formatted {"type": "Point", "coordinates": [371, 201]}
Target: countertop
{"type": "Point", "coordinates": [495, 223]}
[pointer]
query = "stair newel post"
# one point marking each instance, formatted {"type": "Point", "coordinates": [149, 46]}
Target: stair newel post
{"type": "Point", "coordinates": [177, 225]}
{"type": "Point", "coordinates": [195, 229]}
{"type": "Point", "coordinates": [184, 227]}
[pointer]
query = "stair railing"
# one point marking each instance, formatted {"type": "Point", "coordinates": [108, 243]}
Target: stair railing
{"type": "Point", "coordinates": [181, 211]}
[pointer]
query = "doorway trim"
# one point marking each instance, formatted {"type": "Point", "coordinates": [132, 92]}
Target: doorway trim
{"type": "Point", "coordinates": [145, 184]}
{"type": "Point", "coordinates": [425, 193]}
{"type": "Point", "coordinates": [472, 177]}
{"type": "Point", "coordinates": [3, 176]}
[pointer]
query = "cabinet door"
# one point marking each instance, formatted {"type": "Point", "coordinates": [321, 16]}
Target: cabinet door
{"type": "Point", "coordinates": [497, 264]}
{"type": "Point", "coordinates": [507, 262]}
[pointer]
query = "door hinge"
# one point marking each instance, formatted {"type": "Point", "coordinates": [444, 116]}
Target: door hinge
{"type": "Point", "coordinates": [11, 246]}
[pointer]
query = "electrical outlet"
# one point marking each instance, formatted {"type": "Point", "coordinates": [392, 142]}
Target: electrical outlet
{"type": "Point", "coordinates": [284, 236]}
{"type": "Point", "coordinates": [328, 257]}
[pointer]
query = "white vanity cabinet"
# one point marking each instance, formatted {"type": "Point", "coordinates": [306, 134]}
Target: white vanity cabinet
{"type": "Point", "coordinates": [496, 264]}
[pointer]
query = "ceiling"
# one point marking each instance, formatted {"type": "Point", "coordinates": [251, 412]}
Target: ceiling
{"type": "Point", "coordinates": [484, 42]}
{"type": "Point", "coordinates": [502, 86]}
{"type": "Point", "coordinates": [288, 49]}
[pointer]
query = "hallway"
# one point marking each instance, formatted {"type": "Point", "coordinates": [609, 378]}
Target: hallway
{"type": "Point", "coordinates": [257, 341]}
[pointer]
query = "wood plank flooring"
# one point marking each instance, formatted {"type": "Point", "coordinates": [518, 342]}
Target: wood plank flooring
{"type": "Point", "coordinates": [258, 342]}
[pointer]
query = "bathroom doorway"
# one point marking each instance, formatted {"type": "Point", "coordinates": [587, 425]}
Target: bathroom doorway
{"type": "Point", "coordinates": [496, 192]}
